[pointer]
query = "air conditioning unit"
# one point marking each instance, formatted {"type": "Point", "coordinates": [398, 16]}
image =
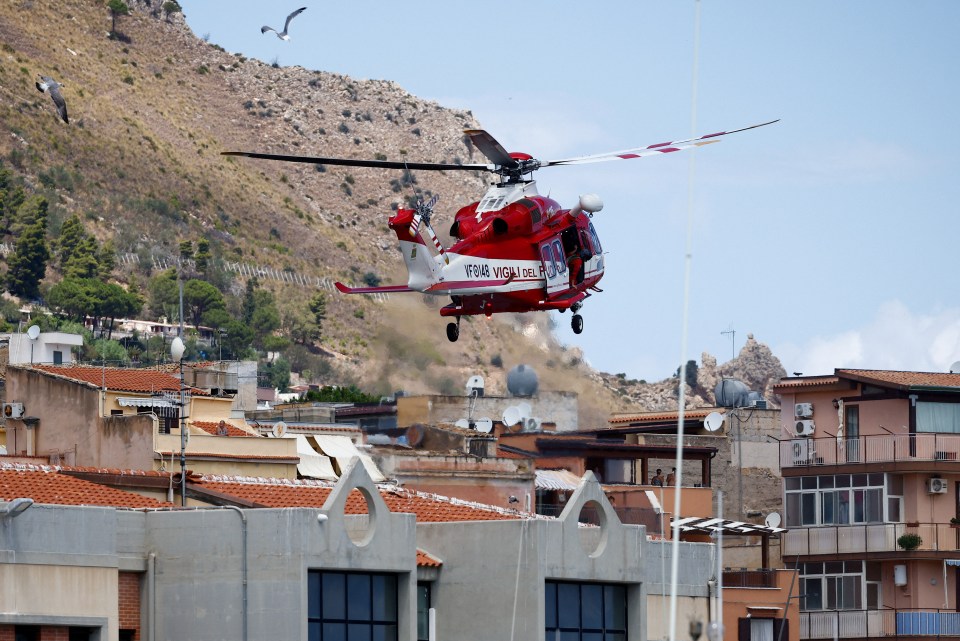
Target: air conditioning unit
{"type": "Point", "coordinates": [759, 403]}
{"type": "Point", "coordinates": [803, 410]}
{"type": "Point", "coordinates": [13, 410]}
{"type": "Point", "coordinates": [803, 452]}
{"type": "Point", "coordinates": [804, 428]}
{"type": "Point", "coordinates": [936, 486]}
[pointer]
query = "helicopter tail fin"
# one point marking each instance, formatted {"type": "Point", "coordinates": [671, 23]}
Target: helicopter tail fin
{"type": "Point", "coordinates": [422, 267]}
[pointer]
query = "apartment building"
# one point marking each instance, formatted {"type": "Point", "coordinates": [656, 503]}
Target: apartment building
{"type": "Point", "coordinates": [871, 467]}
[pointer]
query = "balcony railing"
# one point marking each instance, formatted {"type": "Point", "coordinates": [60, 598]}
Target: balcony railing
{"type": "Point", "coordinates": [875, 537]}
{"type": "Point", "coordinates": [744, 578]}
{"type": "Point", "coordinates": [859, 624]}
{"type": "Point", "coordinates": [803, 452]}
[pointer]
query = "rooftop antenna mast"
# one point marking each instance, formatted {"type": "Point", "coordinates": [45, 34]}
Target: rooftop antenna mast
{"type": "Point", "coordinates": [733, 341]}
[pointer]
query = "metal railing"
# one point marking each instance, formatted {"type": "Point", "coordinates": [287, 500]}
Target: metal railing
{"type": "Point", "coordinates": [860, 624]}
{"type": "Point", "coordinates": [804, 452]}
{"type": "Point", "coordinates": [744, 578]}
{"type": "Point", "coordinates": [874, 537]}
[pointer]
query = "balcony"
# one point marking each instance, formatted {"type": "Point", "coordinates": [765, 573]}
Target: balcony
{"type": "Point", "coordinates": [861, 450]}
{"type": "Point", "coordinates": [872, 624]}
{"type": "Point", "coordinates": [744, 578]}
{"type": "Point", "coordinates": [875, 537]}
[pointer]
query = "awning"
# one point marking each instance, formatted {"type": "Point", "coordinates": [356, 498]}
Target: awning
{"type": "Point", "coordinates": [707, 525]}
{"type": "Point", "coordinates": [313, 464]}
{"type": "Point", "coordinates": [343, 449]}
{"type": "Point", "coordinates": [145, 401]}
{"type": "Point", "coordinates": [558, 480]}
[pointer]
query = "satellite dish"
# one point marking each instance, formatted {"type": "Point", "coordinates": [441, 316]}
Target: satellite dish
{"type": "Point", "coordinates": [463, 423]}
{"type": "Point", "coordinates": [525, 409]}
{"type": "Point", "coordinates": [772, 520]}
{"type": "Point", "coordinates": [522, 381]}
{"type": "Point", "coordinates": [954, 369]}
{"type": "Point", "coordinates": [484, 425]}
{"type": "Point", "coordinates": [714, 421]}
{"type": "Point", "coordinates": [531, 424]}
{"type": "Point", "coordinates": [512, 416]}
{"type": "Point", "coordinates": [279, 429]}
{"type": "Point", "coordinates": [33, 332]}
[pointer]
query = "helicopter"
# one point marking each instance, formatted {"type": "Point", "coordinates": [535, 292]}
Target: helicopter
{"type": "Point", "coordinates": [514, 250]}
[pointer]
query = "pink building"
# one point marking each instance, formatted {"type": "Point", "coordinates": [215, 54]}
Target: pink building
{"type": "Point", "coordinates": [871, 470]}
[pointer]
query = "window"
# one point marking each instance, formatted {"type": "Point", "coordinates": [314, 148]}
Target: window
{"type": "Point", "coordinates": [548, 260]}
{"type": "Point", "coordinates": [57, 357]}
{"type": "Point", "coordinates": [116, 412]}
{"type": "Point", "coordinates": [760, 629]}
{"type": "Point", "coordinates": [843, 499]}
{"type": "Point", "coordinates": [351, 606]}
{"type": "Point", "coordinates": [840, 585]}
{"type": "Point", "coordinates": [558, 257]}
{"type": "Point", "coordinates": [597, 249]}
{"type": "Point", "coordinates": [423, 611]}
{"type": "Point", "coordinates": [585, 611]}
{"type": "Point", "coordinates": [938, 417]}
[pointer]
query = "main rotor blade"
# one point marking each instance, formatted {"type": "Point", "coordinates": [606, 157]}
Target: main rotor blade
{"type": "Point", "coordinates": [660, 148]}
{"type": "Point", "coordinates": [351, 162]}
{"type": "Point", "coordinates": [490, 148]}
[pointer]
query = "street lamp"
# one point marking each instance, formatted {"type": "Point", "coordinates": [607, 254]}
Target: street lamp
{"type": "Point", "coordinates": [177, 348]}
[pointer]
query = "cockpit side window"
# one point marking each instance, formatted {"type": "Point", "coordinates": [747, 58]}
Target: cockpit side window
{"type": "Point", "coordinates": [596, 240]}
{"type": "Point", "coordinates": [547, 256]}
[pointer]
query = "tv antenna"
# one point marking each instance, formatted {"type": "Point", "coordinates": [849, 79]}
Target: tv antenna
{"type": "Point", "coordinates": [733, 341]}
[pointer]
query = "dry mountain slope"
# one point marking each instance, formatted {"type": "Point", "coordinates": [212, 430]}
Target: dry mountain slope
{"type": "Point", "coordinates": [140, 162]}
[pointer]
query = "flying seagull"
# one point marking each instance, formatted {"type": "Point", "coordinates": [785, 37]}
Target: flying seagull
{"type": "Point", "coordinates": [52, 87]}
{"type": "Point", "coordinates": [286, 25]}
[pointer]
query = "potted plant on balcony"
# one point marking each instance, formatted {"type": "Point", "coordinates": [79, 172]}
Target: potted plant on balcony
{"type": "Point", "coordinates": [955, 522]}
{"type": "Point", "coordinates": [909, 541]}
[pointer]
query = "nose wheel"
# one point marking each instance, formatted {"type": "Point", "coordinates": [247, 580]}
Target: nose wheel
{"type": "Point", "coordinates": [453, 331]}
{"type": "Point", "coordinates": [576, 323]}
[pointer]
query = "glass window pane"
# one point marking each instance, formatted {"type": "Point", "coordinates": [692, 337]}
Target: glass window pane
{"type": "Point", "coordinates": [793, 510]}
{"type": "Point", "coordinates": [893, 509]}
{"type": "Point", "coordinates": [826, 481]}
{"type": "Point", "coordinates": [873, 596]}
{"type": "Point", "coordinates": [842, 480]}
{"type": "Point", "coordinates": [313, 631]}
{"type": "Point", "coordinates": [591, 607]}
{"type": "Point", "coordinates": [843, 507]}
{"type": "Point", "coordinates": [359, 632]}
{"type": "Point", "coordinates": [873, 570]}
{"type": "Point", "coordinates": [384, 632]}
{"type": "Point", "coordinates": [548, 260]}
{"type": "Point", "coordinates": [334, 596]}
{"type": "Point", "coordinates": [591, 636]}
{"type": "Point", "coordinates": [615, 607]}
{"type": "Point", "coordinates": [808, 506]}
{"type": "Point", "coordinates": [859, 480]}
{"type": "Point", "coordinates": [358, 597]}
{"type": "Point", "coordinates": [813, 591]}
{"type": "Point", "coordinates": [827, 503]}
{"type": "Point", "coordinates": [334, 632]}
{"type": "Point", "coordinates": [569, 636]}
{"type": "Point", "coordinates": [792, 483]}
{"type": "Point", "coordinates": [384, 597]}
{"type": "Point", "coordinates": [423, 610]}
{"type": "Point", "coordinates": [616, 636]}
{"type": "Point", "coordinates": [833, 567]}
{"type": "Point", "coordinates": [550, 604]}
{"type": "Point", "coordinates": [568, 605]}
{"type": "Point", "coordinates": [808, 482]}
{"type": "Point", "coordinates": [895, 484]}
{"type": "Point", "coordinates": [313, 595]}
{"type": "Point", "coordinates": [558, 257]}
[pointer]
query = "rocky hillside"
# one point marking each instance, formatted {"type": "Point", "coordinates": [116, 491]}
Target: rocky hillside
{"type": "Point", "coordinates": [152, 108]}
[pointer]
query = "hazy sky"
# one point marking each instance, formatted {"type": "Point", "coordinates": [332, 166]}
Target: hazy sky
{"type": "Point", "coordinates": [831, 236]}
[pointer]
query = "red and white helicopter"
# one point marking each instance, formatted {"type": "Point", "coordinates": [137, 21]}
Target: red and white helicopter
{"type": "Point", "coordinates": [514, 250]}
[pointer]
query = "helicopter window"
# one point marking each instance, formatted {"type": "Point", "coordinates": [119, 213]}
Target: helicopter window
{"type": "Point", "coordinates": [547, 256]}
{"type": "Point", "coordinates": [596, 240]}
{"type": "Point", "coordinates": [587, 244]}
{"type": "Point", "coordinates": [558, 257]}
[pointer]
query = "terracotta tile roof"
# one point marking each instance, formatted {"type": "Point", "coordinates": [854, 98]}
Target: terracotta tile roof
{"type": "Point", "coordinates": [806, 381]}
{"type": "Point", "coordinates": [211, 427]}
{"type": "Point", "coordinates": [514, 453]}
{"type": "Point", "coordinates": [902, 379]}
{"type": "Point", "coordinates": [120, 379]}
{"type": "Point", "coordinates": [659, 417]}
{"type": "Point", "coordinates": [428, 508]}
{"type": "Point", "coordinates": [45, 484]}
{"type": "Point", "coordinates": [426, 560]}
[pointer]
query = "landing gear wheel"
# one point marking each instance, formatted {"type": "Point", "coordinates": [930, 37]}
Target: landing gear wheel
{"type": "Point", "coordinates": [577, 323]}
{"type": "Point", "coordinates": [453, 332]}
{"type": "Point", "coordinates": [576, 307]}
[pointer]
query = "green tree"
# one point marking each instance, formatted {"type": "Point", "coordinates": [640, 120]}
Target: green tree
{"type": "Point", "coordinates": [202, 257]}
{"type": "Point", "coordinates": [249, 300]}
{"type": "Point", "coordinates": [170, 7]}
{"type": "Point", "coordinates": [27, 264]}
{"type": "Point", "coordinates": [73, 297]}
{"type": "Point", "coordinates": [237, 340]}
{"type": "Point", "coordinates": [318, 307]}
{"type": "Point", "coordinates": [72, 234]}
{"type": "Point", "coordinates": [116, 302]}
{"type": "Point", "coordinates": [277, 374]}
{"type": "Point", "coordinates": [83, 260]}
{"type": "Point", "coordinates": [199, 297]}
{"type": "Point", "coordinates": [28, 213]}
{"type": "Point", "coordinates": [108, 351]}
{"type": "Point", "coordinates": [117, 8]}
{"type": "Point", "coordinates": [107, 258]}
{"type": "Point", "coordinates": [164, 292]}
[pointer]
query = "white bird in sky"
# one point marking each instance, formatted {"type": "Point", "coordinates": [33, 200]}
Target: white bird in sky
{"type": "Point", "coordinates": [52, 87]}
{"type": "Point", "coordinates": [286, 25]}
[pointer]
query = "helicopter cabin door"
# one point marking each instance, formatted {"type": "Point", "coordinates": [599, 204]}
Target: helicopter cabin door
{"type": "Point", "coordinates": [554, 266]}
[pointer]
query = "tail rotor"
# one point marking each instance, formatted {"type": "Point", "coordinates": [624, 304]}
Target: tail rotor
{"type": "Point", "coordinates": [424, 210]}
